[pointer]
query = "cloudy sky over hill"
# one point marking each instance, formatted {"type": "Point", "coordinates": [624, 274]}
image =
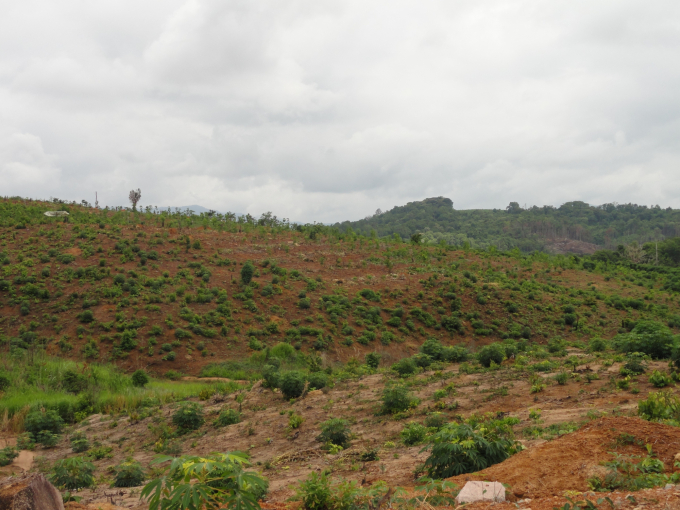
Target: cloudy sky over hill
{"type": "Point", "coordinates": [326, 110]}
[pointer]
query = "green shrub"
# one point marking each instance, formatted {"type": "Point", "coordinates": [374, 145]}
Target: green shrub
{"type": "Point", "coordinates": [317, 380]}
{"type": "Point", "coordinates": [188, 417]}
{"type": "Point", "coordinates": [435, 420]}
{"type": "Point", "coordinates": [270, 376]}
{"type": "Point", "coordinates": [292, 384]}
{"type": "Point", "coordinates": [47, 438]}
{"type": "Point", "coordinates": [283, 351]}
{"type": "Point", "coordinates": [49, 420]}
{"type": "Point", "coordinates": [649, 337]}
{"type": "Point", "coordinates": [7, 455]}
{"type": "Point", "coordinates": [372, 359]}
{"type": "Point", "coordinates": [636, 364]}
{"type": "Point", "coordinates": [218, 480]}
{"type": "Point", "coordinates": [247, 272]}
{"type": "Point", "coordinates": [73, 382]}
{"type": "Point", "coordinates": [228, 417]}
{"type": "Point", "coordinates": [597, 344]}
{"type": "Point", "coordinates": [562, 378]}
{"type": "Point", "coordinates": [397, 398]}
{"type": "Point", "coordinates": [304, 303]}
{"type": "Point", "coordinates": [171, 356]}
{"type": "Point", "coordinates": [140, 379]}
{"type": "Point", "coordinates": [72, 474]}
{"type": "Point", "coordinates": [128, 474]}
{"type": "Point", "coordinates": [101, 452]}
{"type": "Point", "coordinates": [316, 493]}
{"type": "Point", "coordinates": [659, 379]}
{"type": "Point", "coordinates": [86, 316]}
{"type": "Point", "coordinates": [455, 354]}
{"type": "Point", "coordinates": [413, 433]}
{"type": "Point", "coordinates": [5, 382]}
{"type": "Point", "coordinates": [662, 405]}
{"type": "Point", "coordinates": [335, 431]}
{"type": "Point", "coordinates": [405, 366]}
{"type": "Point", "coordinates": [462, 448]}
{"type": "Point", "coordinates": [433, 348]}
{"type": "Point", "coordinates": [255, 344]}
{"type": "Point", "coordinates": [557, 346]}
{"type": "Point", "coordinates": [294, 421]}
{"type": "Point", "coordinates": [421, 360]}
{"type": "Point", "coordinates": [79, 443]}
{"type": "Point", "coordinates": [492, 352]}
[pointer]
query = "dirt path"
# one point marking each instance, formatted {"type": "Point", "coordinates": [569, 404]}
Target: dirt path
{"type": "Point", "coordinates": [25, 459]}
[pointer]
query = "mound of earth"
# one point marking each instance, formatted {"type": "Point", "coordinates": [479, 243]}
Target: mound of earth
{"type": "Point", "coordinates": [567, 463]}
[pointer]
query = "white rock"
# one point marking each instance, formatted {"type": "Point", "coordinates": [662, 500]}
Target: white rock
{"type": "Point", "coordinates": [481, 491]}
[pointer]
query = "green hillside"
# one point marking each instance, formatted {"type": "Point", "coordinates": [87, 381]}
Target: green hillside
{"type": "Point", "coordinates": [528, 229]}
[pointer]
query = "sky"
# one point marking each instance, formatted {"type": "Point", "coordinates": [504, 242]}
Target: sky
{"type": "Point", "coordinates": [326, 110]}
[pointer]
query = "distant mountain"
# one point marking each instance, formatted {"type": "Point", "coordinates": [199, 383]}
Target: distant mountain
{"type": "Point", "coordinates": [534, 228]}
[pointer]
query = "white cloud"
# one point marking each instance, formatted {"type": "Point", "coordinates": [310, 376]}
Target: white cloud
{"type": "Point", "coordinates": [326, 109]}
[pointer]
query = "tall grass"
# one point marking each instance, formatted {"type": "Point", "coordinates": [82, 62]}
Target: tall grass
{"type": "Point", "coordinates": [37, 383]}
{"type": "Point", "coordinates": [250, 369]}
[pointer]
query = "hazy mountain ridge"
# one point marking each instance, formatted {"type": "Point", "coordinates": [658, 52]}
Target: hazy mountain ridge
{"type": "Point", "coordinates": [531, 228]}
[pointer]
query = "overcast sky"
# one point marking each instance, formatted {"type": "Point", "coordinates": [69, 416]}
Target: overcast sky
{"type": "Point", "coordinates": [327, 110]}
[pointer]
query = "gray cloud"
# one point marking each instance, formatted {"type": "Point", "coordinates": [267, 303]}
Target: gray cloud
{"type": "Point", "coordinates": [326, 110]}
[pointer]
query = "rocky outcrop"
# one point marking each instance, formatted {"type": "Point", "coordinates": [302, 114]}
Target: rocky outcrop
{"type": "Point", "coordinates": [30, 492]}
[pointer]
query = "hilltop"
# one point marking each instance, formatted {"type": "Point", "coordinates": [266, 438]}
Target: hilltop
{"type": "Point", "coordinates": [543, 228]}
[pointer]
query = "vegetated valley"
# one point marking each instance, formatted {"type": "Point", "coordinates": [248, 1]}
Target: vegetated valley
{"type": "Point", "coordinates": [350, 371]}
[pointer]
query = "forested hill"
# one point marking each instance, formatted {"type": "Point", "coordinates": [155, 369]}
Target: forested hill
{"type": "Point", "coordinates": [532, 228]}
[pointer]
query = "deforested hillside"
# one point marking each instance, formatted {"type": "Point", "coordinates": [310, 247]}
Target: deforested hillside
{"type": "Point", "coordinates": [324, 364]}
{"type": "Point", "coordinates": [545, 228]}
{"type": "Point", "coordinates": [176, 293]}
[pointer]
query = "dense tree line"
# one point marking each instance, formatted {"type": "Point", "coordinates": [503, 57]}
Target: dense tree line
{"type": "Point", "coordinates": [527, 228]}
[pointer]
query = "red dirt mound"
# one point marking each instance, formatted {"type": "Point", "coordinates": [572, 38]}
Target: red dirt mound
{"type": "Point", "coordinates": [567, 462]}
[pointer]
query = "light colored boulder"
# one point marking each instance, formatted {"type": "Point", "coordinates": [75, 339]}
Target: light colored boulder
{"type": "Point", "coordinates": [481, 491]}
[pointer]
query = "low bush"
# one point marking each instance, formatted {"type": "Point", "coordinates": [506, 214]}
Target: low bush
{"type": "Point", "coordinates": [372, 359]}
{"type": "Point", "coordinates": [73, 382]}
{"type": "Point", "coordinates": [72, 474]}
{"type": "Point", "coordinates": [335, 431]}
{"type": "Point", "coordinates": [562, 378]}
{"type": "Point", "coordinates": [228, 417]}
{"type": "Point", "coordinates": [597, 344]}
{"type": "Point", "coordinates": [396, 399]}
{"type": "Point", "coordinates": [37, 421]}
{"type": "Point", "coordinates": [140, 379]}
{"type": "Point", "coordinates": [649, 337]}
{"type": "Point", "coordinates": [455, 354]}
{"type": "Point", "coordinates": [660, 406]}
{"type": "Point", "coordinates": [405, 366]}
{"type": "Point", "coordinates": [188, 417]}
{"type": "Point", "coordinates": [435, 420]}
{"type": "Point", "coordinates": [128, 474]}
{"type": "Point", "coordinates": [468, 448]}
{"type": "Point", "coordinates": [659, 379]}
{"type": "Point", "coordinates": [218, 480]}
{"type": "Point", "coordinates": [317, 380]}
{"type": "Point", "coordinates": [635, 364]}
{"type": "Point", "coordinates": [413, 433]}
{"type": "Point", "coordinates": [292, 384]}
{"type": "Point", "coordinates": [79, 443]}
{"type": "Point", "coordinates": [491, 353]}
{"type": "Point", "coordinates": [317, 493]}
{"type": "Point", "coordinates": [295, 421]}
{"type": "Point", "coordinates": [7, 455]}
